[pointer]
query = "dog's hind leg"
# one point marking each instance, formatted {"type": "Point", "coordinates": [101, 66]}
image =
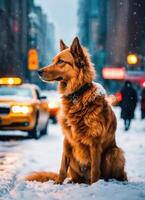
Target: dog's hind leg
{"type": "Point", "coordinates": [112, 166]}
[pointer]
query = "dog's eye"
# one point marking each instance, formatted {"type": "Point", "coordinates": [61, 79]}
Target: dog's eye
{"type": "Point", "coordinates": [60, 62]}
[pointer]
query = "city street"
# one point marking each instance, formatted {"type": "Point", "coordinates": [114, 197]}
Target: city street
{"type": "Point", "coordinates": [19, 157]}
{"type": "Point", "coordinates": [72, 45]}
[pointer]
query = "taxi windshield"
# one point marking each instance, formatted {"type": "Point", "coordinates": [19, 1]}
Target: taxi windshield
{"type": "Point", "coordinates": [18, 92]}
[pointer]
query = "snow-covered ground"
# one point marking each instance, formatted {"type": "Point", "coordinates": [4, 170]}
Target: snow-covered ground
{"type": "Point", "coordinates": [18, 158]}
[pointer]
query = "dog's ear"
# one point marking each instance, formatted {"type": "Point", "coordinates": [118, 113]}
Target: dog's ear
{"type": "Point", "coordinates": [77, 52]}
{"type": "Point", "coordinates": [63, 46]}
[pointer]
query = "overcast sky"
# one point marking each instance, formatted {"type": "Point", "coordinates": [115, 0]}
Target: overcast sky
{"type": "Point", "coordinates": [63, 13]}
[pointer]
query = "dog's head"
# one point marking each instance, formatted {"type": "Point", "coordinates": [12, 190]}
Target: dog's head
{"type": "Point", "coordinates": [71, 67]}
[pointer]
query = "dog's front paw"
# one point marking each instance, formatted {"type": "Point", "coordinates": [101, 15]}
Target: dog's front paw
{"type": "Point", "coordinates": [59, 180]}
{"type": "Point", "coordinates": [94, 179]}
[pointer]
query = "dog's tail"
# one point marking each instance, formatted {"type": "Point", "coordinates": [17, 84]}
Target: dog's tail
{"type": "Point", "coordinates": [41, 176]}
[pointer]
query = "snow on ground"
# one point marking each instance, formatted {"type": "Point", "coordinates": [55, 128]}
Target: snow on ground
{"type": "Point", "coordinates": [18, 158]}
{"type": "Point", "coordinates": [10, 163]}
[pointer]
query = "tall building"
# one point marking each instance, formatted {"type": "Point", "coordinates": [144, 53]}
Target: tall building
{"type": "Point", "coordinates": [13, 34]}
{"type": "Point", "coordinates": [41, 34]}
{"type": "Point", "coordinates": [50, 43]}
{"type": "Point", "coordinates": [92, 30]}
{"type": "Point", "coordinates": [136, 26]}
{"type": "Point", "coordinates": [112, 29]}
{"type": "Point", "coordinates": [117, 32]}
{"type": "Point", "coordinates": [83, 21]}
{"type": "Point", "coordinates": [125, 30]}
{"type": "Point", "coordinates": [23, 26]}
{"type": "Point", "coordinates": [41, 37]}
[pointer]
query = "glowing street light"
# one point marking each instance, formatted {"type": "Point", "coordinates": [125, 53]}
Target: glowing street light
{"type": "Point", "coordinates": [132, 59]}
{"type": "Point", "coordinates": [143, 84]}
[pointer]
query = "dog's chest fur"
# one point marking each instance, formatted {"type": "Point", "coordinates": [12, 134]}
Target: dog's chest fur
{"type": "Point", "coordinates": [75, 123]}
{"type": "Point", "coordinates": [76, 135]}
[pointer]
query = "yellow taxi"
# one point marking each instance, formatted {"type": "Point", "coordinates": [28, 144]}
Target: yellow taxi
{"type": "Point", "coordinates": [22, 107]}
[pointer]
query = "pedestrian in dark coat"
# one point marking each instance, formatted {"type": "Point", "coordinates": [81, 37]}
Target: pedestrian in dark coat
{"type": "Point", "coordinates": [128, 103]}
{"type": "Point", "coordinates": [142, 102]}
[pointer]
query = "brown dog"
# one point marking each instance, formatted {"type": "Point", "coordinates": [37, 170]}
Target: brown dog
{"type": "Point", "coordinates": [87, 120]}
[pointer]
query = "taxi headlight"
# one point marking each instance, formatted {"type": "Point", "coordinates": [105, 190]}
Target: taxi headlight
{"type": "Point", "coordinates": [53, 104]}
{"type": "Point", "coordinates": [10, 81]}
{"type": "Point", "coordinates": [21, 109]}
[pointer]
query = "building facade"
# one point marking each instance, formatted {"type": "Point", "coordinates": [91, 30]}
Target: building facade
{"type": "Point", "coordinates": [92, 30]}
{"type": "Point", "coordinates": [23, 26]}
{"type": "Point", "coordinates": [13, 36]}
{"type": "Point", "coordinates": [112, 29]}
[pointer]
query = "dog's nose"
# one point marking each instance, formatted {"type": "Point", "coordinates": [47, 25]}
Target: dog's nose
{"type": "Point", "coordinates": [40, 72]}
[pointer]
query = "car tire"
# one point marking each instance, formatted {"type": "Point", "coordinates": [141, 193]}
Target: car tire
{"type": "Point", "coordinates": [54, 120]}
{"type": "Point", "coordinates": [35, 132]}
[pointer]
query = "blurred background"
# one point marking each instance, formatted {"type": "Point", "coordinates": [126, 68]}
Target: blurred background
{"type": "Point", "coordinates": [113, 31]}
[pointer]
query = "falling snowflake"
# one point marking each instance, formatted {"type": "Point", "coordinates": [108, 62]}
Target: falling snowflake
{"type": "Point", "coordinates": [134, 13]}
{"type": "Point", "coordinates": [121, 3]}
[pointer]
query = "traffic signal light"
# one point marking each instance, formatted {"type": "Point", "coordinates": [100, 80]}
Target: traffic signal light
{"type": "Point", "coordinates": [33, 61]}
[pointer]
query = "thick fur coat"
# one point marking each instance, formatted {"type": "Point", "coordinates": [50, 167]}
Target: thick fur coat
{"type": "Point", "coordinates": [88, 123]}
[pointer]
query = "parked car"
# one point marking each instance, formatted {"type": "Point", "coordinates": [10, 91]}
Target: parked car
{"type": "Point", "coordinates": [114, 99]}
{"type": "Point", "coordinates": [22, 108]}
{"type": "Point", "coordinates": [53, 99]}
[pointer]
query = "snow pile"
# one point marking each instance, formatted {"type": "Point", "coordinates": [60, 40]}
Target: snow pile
{"type": "Point", "coordinates": [7, 181]}
{"type": "Point", "coordinates": [100, 190]}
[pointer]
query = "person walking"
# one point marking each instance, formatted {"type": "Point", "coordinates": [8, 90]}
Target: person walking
{"type": "Point", "coordinates": [142, 103]}
{"type": "Point", "coordinates": [128, 103]}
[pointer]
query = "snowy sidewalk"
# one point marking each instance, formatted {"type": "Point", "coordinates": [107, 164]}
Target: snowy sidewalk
{"type": "Point", "coordinates": [10, 164]}
{"type": "Point", "coordinates": [45, 154]}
